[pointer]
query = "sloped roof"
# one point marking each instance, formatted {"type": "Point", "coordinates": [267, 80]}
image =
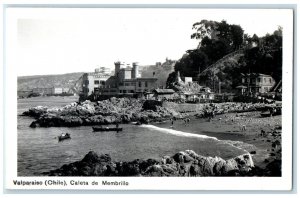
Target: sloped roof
{"type": "Point", "coordinates": [164, 91]}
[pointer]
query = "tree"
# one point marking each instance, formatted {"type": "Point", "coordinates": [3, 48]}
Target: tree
{"type": "Point", "coordinates": [209, 32]}
{"type": "Point", "coordinates": [224, 30]}
{"type": "Point", "coordinates": [237, 34]}
{"type": "Point", "coordinates": [204, 28]}
{"type": "Point", "coordinates": [265, 58]}
{"type": "Point", "coordinates": [191, 63]}
{"type": "Point", "coordinates": [171, 79]}
{"type": "Point", "coordinates": [255, 39]}
{"type": "Point", "coordinates": [218, 39]}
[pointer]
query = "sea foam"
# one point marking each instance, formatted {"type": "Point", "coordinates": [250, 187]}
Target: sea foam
{"type": "Point", "coordinates": [237, 144]}
{"type": "Point", "coordinates": [178, 133]}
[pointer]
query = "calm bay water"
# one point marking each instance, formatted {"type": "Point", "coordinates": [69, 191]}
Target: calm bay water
{"type": "Point", "coordinates": [39, 150]}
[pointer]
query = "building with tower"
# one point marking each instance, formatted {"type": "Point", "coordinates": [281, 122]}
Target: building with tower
{"type": "Point", "coordinates": [125, 82]}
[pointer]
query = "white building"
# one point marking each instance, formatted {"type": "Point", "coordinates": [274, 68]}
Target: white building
{"type": "Point", "coordinates": [94, 81]}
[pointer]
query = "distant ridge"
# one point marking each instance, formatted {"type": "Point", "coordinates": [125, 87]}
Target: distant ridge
{"type": "Point", "coordinates": [53, 80]}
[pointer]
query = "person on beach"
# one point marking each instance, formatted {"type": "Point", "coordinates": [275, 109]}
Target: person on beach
{"type": "Point", "coordinates": [244, 128]}
{"type": "Point", "coordinates": [172, 122]}
{"type": "Point", "coordinates": [262, 133]}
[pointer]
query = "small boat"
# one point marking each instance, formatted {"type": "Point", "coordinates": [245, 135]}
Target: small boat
{"type": "Point", "coordinates": [64, 136]}
{"type": "Point", "coordinates": [265, 114]}
{"type": "Point", "coordinates": [103, 129]}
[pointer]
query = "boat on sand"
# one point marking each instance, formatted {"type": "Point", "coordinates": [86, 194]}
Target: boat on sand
{"type": "Point", "coordinates": [104, 129]}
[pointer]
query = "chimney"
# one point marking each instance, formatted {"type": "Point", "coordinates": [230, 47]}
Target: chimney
{"type": "Point", "coordinates": [135, 70]}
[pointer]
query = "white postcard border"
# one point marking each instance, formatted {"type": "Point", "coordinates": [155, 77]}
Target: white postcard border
{"type": "Point", "coordinates": [155, 183]}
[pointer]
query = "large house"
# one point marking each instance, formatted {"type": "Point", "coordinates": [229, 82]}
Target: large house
{"type": "Point", "coordinates": [163, 94]}
{"type": "Point", "coordinates": [93, 82]}
{"type": "Point", "coordinates": [126, 81]}
{"type": "Point", "coordinates": [256, 83]}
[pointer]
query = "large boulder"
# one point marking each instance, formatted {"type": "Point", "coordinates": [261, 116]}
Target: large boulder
{"type": "Point", "coordinates": [151, 105]}
{"type": "Point", "coordinates": [71, 121]}
{"type": "Point", "coordinates": [93, 157]}
{"type": "Point", "coordinates": [185, 163]}
{"type": "Point", "coordinates": [86, 108]}
{"type": "Point", "coordinates": [36, 111]}
{"type": "Point", "coordinates": [128, 168]}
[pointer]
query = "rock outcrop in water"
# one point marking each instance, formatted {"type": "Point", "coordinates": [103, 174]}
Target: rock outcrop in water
{"type": "Point", "coordinates": [187, 163]}
{"type": "Point", "coordinates": [125, 110]}
{"type": "Point", "coordinates": [112, 111]}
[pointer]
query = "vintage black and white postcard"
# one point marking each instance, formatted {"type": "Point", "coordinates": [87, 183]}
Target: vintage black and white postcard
{"type": "Point", "coordinates": [148, 97]}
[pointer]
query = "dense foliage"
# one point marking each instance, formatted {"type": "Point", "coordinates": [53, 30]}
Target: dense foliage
{"type": "Point", "coordinates": [224, 52]}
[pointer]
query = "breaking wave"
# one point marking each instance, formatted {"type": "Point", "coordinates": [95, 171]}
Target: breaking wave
{"type": "Point", "coordinates": [237, 144]}
{"type": "Point", "coordinates": [178, 133]}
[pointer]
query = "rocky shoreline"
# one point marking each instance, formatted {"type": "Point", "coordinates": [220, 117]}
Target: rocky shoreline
{"type": "Point", "coordinates": [182, 164]}
{"type": "Point", "coordinates": [112, 111]}
{"type": "Point", "coordinates": [230, 116]}
{"type": "Point", "coordinates": [123, 110]}
{"type": "Point", "coordinates": [185, 163]}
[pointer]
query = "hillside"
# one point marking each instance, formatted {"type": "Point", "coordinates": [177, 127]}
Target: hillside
{"type": "Point", "coordinates": [59, 80]}
{"type": "Point", "coordinates": [225, 71]}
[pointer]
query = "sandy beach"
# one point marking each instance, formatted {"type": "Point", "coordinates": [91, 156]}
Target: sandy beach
{"type": "Point", "coordinates": [264, 148]}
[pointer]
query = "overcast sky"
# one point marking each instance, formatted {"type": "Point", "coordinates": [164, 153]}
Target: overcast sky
{"type": "Point", "coordinates": [56, 41]}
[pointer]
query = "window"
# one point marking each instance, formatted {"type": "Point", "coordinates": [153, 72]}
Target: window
{"type": "Point", "coordinates": [127, 84]}
{"type": "Point", "coordinates": [258, 79]}
{"type": "Point", "coordinates": [146, 84]}
{"type": "Point", "coordinates": [140, 84]}
{"type": "Point", "coordinates": [120, 91]}
{"type": "Point", "coordinates": [265, 80]}
{"type": "Point", "coordinates": [102, 82]}
{"type": "Point", "coordinates": [270, 79]}
{"type": "Point", "coordinates": [96, 82]}
{"type": "Point", "coordinates": [131, 91]}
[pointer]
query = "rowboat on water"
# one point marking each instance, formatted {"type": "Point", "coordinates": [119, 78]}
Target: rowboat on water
{"type": "Point", "coordinates": [103, 129]}
{"type": "Point", "coordinates": [64, 136]}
